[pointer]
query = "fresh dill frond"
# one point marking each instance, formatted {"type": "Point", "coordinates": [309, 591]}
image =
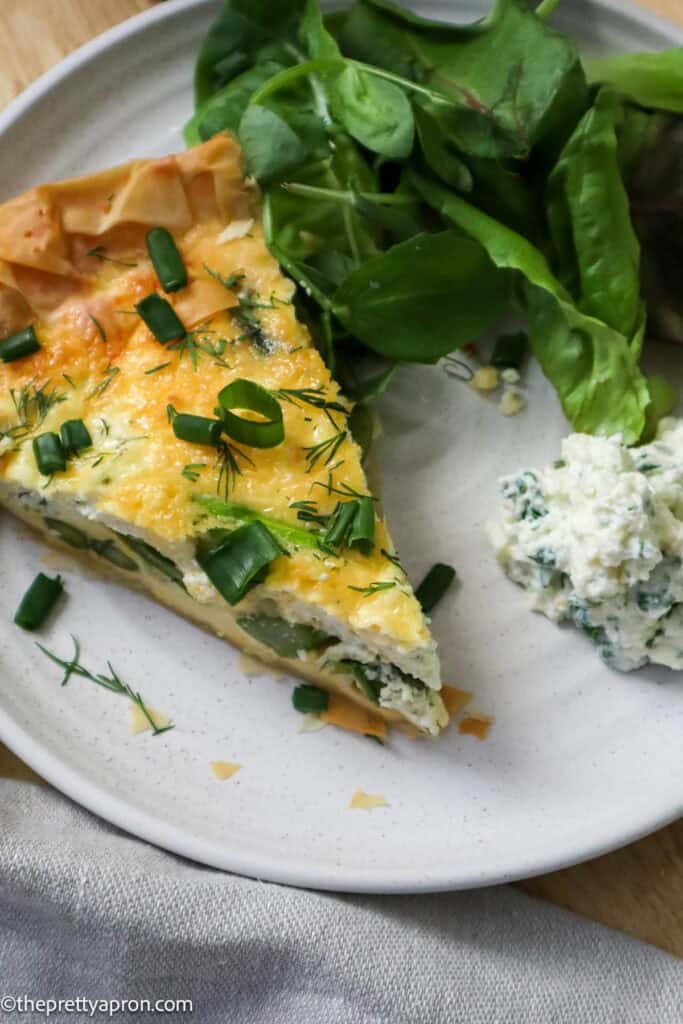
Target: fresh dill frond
{"type": "Point", "coordinates": [229, 468]}
{"type": "Point", "coordinates": [393, 558]}
{"type": "Point", "coordinates": [112, 682]}
{"type": "Point", "coordinates": [314, 397]}
{"type": "Point", "coordinates": [231, 282]}
{"type": "Point", "coordinates": [99, 328]}
{"type": "Point", "coordinates": [375, 588]}
{"type": "Point", "coordinates": [325, 450]}
{"type": "Point", "coordinates": [69, 380]}
{"type": "Point", "coordinates": [31, 405]}
{"type": "Point", "coordinates": [345, 490]}
{"type": "Point", "coordinates": [107, 377]}
{"type": "Point", "coordinates": [99, 253]}
{"type": "Point", "coordinates": [192, 470]}
{"type": "Point", "coordinates": [307, 512]}
{"type": "Point", "coordinates": [156, 369]}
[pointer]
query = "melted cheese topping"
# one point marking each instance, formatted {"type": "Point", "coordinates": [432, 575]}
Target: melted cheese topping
{"type": "Point", "coordinates": [73, 261]}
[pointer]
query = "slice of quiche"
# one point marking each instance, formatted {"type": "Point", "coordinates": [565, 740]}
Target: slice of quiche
{"type": "Point", "coordinates": [164, 413]}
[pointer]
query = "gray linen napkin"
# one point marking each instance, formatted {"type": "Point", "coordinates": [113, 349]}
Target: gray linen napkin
{"type": "Point", "coordinates": [86, 910]}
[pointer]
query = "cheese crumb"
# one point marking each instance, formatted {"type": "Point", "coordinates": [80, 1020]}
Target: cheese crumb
{"type": "Point", "coordinates": [485, 379]}
{"type": "Point", "coordinates": [512, 402]}
{"type": "Point", "coordinates": [224, 769]}
{"type": "Point", "coordinates": [236, 229]}
{"type": "Point", "coordinates": [140, 723]}
{"type": "Point", "coordinates": [366, 801]}
{"type": "Point", "coordinates": [312, 723]}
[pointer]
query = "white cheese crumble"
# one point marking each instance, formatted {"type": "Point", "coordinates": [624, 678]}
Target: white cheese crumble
{"type": "Point", "coordinates": [597, 538]}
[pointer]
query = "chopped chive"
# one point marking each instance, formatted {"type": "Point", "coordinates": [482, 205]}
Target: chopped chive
{"type": "Point", "coordinates": [245, 394]}
{"type": "Point", "coordinates": [192, 470]}
{"type": "Point", "coordinates": [75, 437]}
{"type": "Point", "coordinates": [38, 601]}
{"type": "Point", "coordinates": [49, 454]}
{"type": "Point", "coordinates": [362, 535]}
{"type": "Point", "coordinates": [16, 346]}
{"type": "Point", "coordinates": [310, 699]}
{"type": "Point", "coordinates": [167, 261]}
{"type": "Point", "coordinates": [161, 318]}
{"type": "Point", "coordinates": [341, 522]}
{"type": "Point", "coordinates": [197, 429]}
{"type": "Point", "coordinates": [509, 351]}
{"type": "Point", "coordinates": [240, 561]}
{"type": "Point", "coordinates": [434, 585]}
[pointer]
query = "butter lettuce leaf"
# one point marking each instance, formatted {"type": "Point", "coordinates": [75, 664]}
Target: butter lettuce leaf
{"type": "Point", "coordinates": [593, 367]}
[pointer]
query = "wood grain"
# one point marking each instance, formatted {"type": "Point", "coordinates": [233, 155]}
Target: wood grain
{"type": "Point", "coordinates": [638, 890]}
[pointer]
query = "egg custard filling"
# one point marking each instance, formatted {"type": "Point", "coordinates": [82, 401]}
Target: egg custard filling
{"type": "Point", "coordinates": [164, 414]}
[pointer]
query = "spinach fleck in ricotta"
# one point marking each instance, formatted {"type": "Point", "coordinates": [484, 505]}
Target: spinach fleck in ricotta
{"type": "Point", "coordinates": [597, 538]}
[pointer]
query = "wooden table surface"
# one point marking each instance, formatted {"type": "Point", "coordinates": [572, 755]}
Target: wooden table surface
{"type": "Point", "coordinates": [637, 890]}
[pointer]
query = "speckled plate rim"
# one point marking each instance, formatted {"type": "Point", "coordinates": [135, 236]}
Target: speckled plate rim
{"type": "Point", "coordinates": [155, 830]}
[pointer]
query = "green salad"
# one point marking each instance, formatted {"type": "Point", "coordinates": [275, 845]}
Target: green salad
{"type": "Point", "coordinates": [421, 179]}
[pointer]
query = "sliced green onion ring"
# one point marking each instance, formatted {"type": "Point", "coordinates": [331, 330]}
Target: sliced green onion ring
{"type": "Point", "coordinates": [38, 601]}
{"type": "Point", "coordinates": [240, 561]}
{"type": "Point", "coordinates": [75, 436]}
{"type": "Point", "coordinates": [434, 585]}
{"type": "Point", "coordinates": [245, 394]}
{"type": "Point", "coordinates": [16, 346]}
{"type": "Point", "coordinates": [310, 699]}
{"type": "Point", "coordinates": [49, 454]}
{"type": "Point", "coordinates": [166, 259]}
{"type": "Point", "coordinates": [161, 318]}
{"type": "Point", "coordinates": [341, 522]}
{"type": "Point", "coordinates": [197, 429]}
{"type": "Point", "coordinates": [362, 535]}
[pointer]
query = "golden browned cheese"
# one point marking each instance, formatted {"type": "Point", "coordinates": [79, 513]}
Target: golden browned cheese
{"type": "Point", "coordinates": [73, 261]}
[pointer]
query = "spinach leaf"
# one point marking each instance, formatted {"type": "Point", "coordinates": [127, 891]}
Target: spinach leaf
{"type": "Point", "coordinates": [270, 146]}
{"type": "Point", "coordinates": [511, 70]}
{"type": "Point", "coordinates": [593, 367]}
{"type": "Point", "coordinates": [649, 79]}
{"type": "Point", "coordinates": [245, 33]}
{"type": "Point", "coordinates": [651, 152]}
{"type": "Point", "coordinates": [590, 222]}
{"type": "Point", "coordinates": [438, 146]}
{"type": "Point", "coordinates": [224, 110]}
{"type": "Point", "coordinates": [422, 298]}
{"type": "Point", "coordinates": [375, 112]}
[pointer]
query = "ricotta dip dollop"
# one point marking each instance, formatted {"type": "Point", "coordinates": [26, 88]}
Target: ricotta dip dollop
{"type": "Point", "coordinates": [597, 538]}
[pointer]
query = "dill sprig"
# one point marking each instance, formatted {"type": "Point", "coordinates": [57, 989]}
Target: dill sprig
{"type": "Point", "coordinates": [156, 369]}
{"type": "Point", "coordinates": [192, 470]}
{"type": "Point", "coordinates": [393, 558]}
{"type": "Point", "coordinates": [99, 253]}
{"type": "Point", "coordinates": [345, 490]}
{"type": "Point", "coordinates": [112, 682]}
{"type": "Point", "coordinates": [314, 397]}
{"type": "Point", "coordinates": [229, 468]}
{"type": "Point", "coordinates": [243, 314]}
{"type": "Point", "coordinates": [99, 328]}
{"type": "Point", "coordinates": [375, 588]}
{"type": "Point", "coordinates": [31, 405]}
{"type": "Point", "coordinates": [307, 512]}
{"type": "Point", "coordinates": [196, 342]}
{"type": "Point", "coordinates": [325, 450]}
{"type": "Point", "coordinates": [107, 377]}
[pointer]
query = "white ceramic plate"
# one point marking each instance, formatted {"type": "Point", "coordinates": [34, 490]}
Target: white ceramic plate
{"type": "Point", "coordinates": [579, 760]}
